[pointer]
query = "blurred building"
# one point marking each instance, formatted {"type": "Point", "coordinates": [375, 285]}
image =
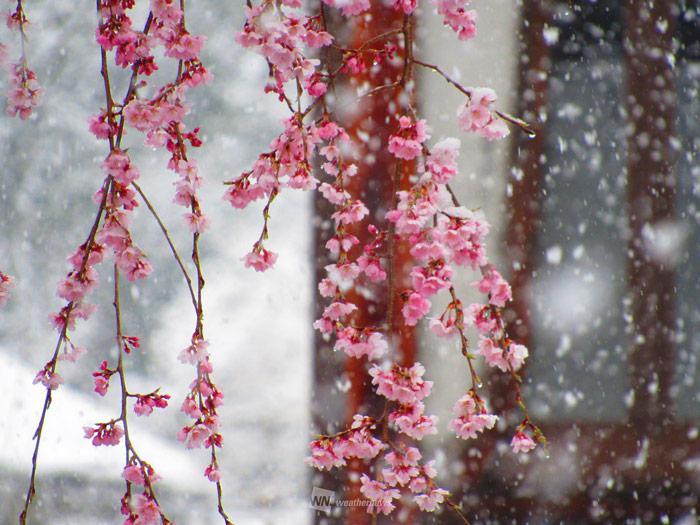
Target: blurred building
{"type": "Point", "coordinates": [596, 223]}
{"type": "Point", "coordinates": [602, 242]}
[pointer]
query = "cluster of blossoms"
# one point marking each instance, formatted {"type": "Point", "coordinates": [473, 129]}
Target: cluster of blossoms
{"type": "Point", "coordinates": [144, 508]}
{"type": "Point", "coordinates": [280, 37]}
{"type": "Point", "coordinates": [201, 402]}
{"type": "Point", "coordinates": [101, 378]}
{"type": "Point", "coordinates": [456, 15]}
{"type": "Point", "coordinates": [6, 283]}
{"type": "Point", "coordinates": [160, 118]}
{"type": "Point", "coordinates": [286, 164]}
{"type": "Point", "coordinates": [404, 389]}
{"type": "Point", "coordinates": [405, 470]}
{"type": "Point", "coordinates": [105, 434]}
{"type": "Point", "coordinates": [145, 403]}
{"type": "Point", "coordinates": [478, 115]}
{"type": "Point", "coordinates": [356, 442]}
{"type": "Point", "coordinates": [442, 236]}
{"type": "Point", "coordinates": [471, 416]}
{"type": "Point", "coordinates": [24, 92]}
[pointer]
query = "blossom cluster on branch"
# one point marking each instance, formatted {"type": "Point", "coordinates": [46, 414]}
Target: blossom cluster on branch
{"type": "Point", "coordinates": [313, 151]}
{"type": "Point", "coordinates": [443, 235]}
{"type": "Point", "coordinates": [24, 92]}
{"type": "Point", "coordinates": [160, 117]}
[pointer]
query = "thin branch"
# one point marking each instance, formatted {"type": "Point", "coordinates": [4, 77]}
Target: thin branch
{"type": "Point", "coordinates": [89, 243]}
{"type": "Point", "coordinates": [524, 126]}
{"type": "Point", "coordinates": [174, 251]}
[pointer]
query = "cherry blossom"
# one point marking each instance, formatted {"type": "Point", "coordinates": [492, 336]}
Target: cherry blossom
{"type": "Point", "coordinates": [104, 434]}
{"type": "Point", "coordinates": [457, 17]}
{"type": "Point", "coordinates": [6, 283]}
{"type": "Point", "coordinates": [101, 378]}
{"type": "Point", "coordinates": [512, 357]}
{"type": "Point", "coordinates": [477, 115]}
{"type": "Point", "coordinates": [48, 377]}
{"type": "Point", "coordinates": [145, 403]}
{"type": "Point", "coordinates": [404, 385]}
{"type": "Point", "coordinates": [379, 495]}
{"type": "Point", "coordinates": [430, 501]}
{"type": "Point", "coordinates": [522, 443]}
{"type": "Point", "coordinates": [24, 93]}
{"type": "Point", "coordinates": [495, 286]}
{"type": "Point", "coordinates": [260, 259]}
{"type": "Point", "coordinates": [471, 416]}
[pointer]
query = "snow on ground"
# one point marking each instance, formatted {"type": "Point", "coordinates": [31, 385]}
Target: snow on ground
{"type": "Point", "coordinates": [63, 447]}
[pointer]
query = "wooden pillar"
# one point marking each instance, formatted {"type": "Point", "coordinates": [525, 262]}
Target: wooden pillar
{"type": "Point", "coordinates": [376, 118]}
{"type": "Point", "coordinates": [651, 186]}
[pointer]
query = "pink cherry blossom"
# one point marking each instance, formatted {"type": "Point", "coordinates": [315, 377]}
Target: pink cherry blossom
{"type": "Point", "coordinates": [512, 358]}
{"type": "Point", "coordinates": [350, 213]}
{"type": "Point", "coordinates": [147, 510]}
{"type": "Point", "coordinates": [372, 268]}
{"type": "Point", "coordinates": [349, 7]}
{"type": "Point", "coordinates": [260, 260]}
{"type": "Point", "coordinates": [404, 385]}
{"type": "Point", "coordinates": [516, 355]}
{"type": "Point", "coordinates": [146, 403]}
{"type": "Point", "coordinates": [338, 310]}
{"type": "Point", "coordinates": [471, 417]}
{"type": "Point", "coordinates": [427, 281]}
{"type": "Point", "coordinates": [457, 17]}
{"type": "Point", "coordinates": [477, 114]}
{"type": "Point", "coordinates": [6, 283]}
{"type": "Point", "coordinates": [50, 379]}
{"type": "Point", "coordinates": [429, 501]}
{"type": "Point", "coordinates": [402, 466]}
{"type": "Point", "coordinates": [522, 443]}
{"type": "Point", "coordinates": [411, 420]}
{"type": "Point", "coordinates": [495, 286]}
{"type": "Point", "coordinates": [195, 352]}
{"type": "Point", "coordinates": [24, 92]}
{"type": "Point", "coordinates": [196, 222]}
{"type": "Point", "coordinates": [324, 455]}
{"type": "Point", "coordinates": [191, 408]}
{"type": "Point", "coordinates": [407, 6]}
{"type": "Point", "coordinates": [483, 318]}
{"type": "Point", "coordinates": [75, 286]}
{"type": "Point", "coordinates": [104, 434]}
{"type": "Point", "coordinates": [133, 474]}
{"type": "Point", "coordinates": [442, 162]}
{"type": "Point", "coordinates": [185, 46]}
{"type": "Point", "coordinates": [492, 353]}
{"type": "Point", "coordinates": [408, 143]}
{"type": "Point", "coordinates": [443, 328]}
{"type": "Point", "coordinates": [358, 343]}
{"type": "Point", "coordinates": [343, 275]}
{"type": "Point", "coordinates": [379, 495]}
{"type": "Point", "coordinates": [359, 442]}
{"type": "Point", "coordinates": [415, 308]}
{"type": "Point", "coordinates": [327, 288]}
{"type": "Point", "coordinates": [72, 354]}
{"type": "Point", "coordinates": [100, 127]}
{"type": "Point", "coordinates": [195, 436]}
{"type": "Point", "coordinates": [212, 473]}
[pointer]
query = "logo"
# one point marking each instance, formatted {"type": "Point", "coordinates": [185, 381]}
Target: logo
{"type": "Point", "coordinates": [322, 499]}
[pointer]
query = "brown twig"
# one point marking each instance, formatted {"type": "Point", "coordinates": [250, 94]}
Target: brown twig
{"type": "Point", "coordinates": [166, 234]}
{"type": "Point", "coordinates": [524, 126]}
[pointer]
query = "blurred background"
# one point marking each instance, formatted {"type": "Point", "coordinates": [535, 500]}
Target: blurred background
{"type": "Point", "coordinates": [595, 221]}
